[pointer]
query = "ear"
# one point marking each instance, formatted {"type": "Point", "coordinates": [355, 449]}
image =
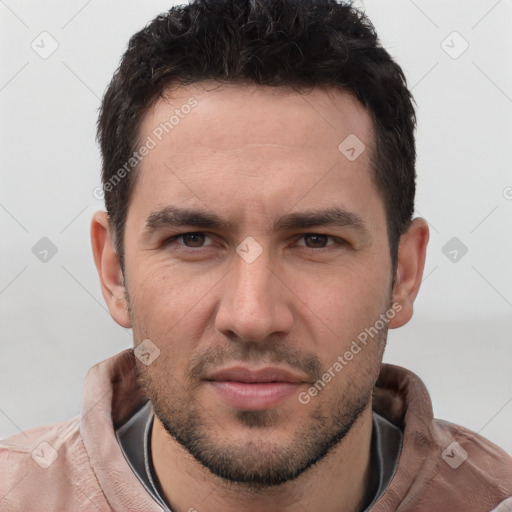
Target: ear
{"type": "Point", "coordinates": [109, 270]}
{"type": "Point", "coordinates": [411, 262]}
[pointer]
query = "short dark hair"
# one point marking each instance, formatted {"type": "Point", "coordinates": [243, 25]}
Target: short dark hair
{"type": "Point", "coordinates": [295, 43]}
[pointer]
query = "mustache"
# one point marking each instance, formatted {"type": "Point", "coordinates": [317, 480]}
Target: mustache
{"type": "Point", "coordinates": [275, 352]}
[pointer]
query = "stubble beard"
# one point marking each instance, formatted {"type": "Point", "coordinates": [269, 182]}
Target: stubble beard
{"type": "Point", "coordinates": [260, 462]}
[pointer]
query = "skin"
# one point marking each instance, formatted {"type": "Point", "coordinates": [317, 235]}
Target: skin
{"type": "Point", "coordinates": [252, 154]}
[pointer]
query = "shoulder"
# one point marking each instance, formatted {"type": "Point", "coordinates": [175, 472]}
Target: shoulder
{"type": "Point", "coordinates": [473, 454]}
{"type": "Point", "coordinates": [47, 468]}
{"type": "Point", "coordinates": [463, 469]}
{"type": "Point", "coordinates": [442, 466]}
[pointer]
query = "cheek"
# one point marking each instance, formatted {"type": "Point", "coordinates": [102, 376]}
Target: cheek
{"type": "Point", "coordinates": [344, 310]}
{"type": "Point", "coordinates": [165, 290]}
{"type": "Point", "coordinates": [350, 298]}
{"type": "Point", "coordinates": [168, 308]}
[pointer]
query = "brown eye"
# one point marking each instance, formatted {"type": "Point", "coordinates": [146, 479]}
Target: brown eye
{"type": "Point", "coordinates": [316, 241]}
{"type": "Point", "coordinates": [193, 239]}
{"type": "Point", "coordinates": [320, 241]}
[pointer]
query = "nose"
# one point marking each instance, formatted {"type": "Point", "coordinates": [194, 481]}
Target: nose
{"type": "Point", "coordinates": [255, 302]}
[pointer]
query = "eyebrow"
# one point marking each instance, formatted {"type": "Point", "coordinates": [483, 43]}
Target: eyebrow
{"type": "Point", "coordinates": [171, 216]}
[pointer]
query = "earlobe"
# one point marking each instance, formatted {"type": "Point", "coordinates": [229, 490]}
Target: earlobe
{"type": "Point", "coordinates": [109, 270]}
{"type": "Point", "coordinates": [411, 262]}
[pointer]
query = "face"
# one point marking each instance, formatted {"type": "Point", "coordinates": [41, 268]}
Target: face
{"type": "Point", "coordinates": [256, 254]}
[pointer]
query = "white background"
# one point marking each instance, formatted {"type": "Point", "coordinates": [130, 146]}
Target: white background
{"type": "Point", "coordinates": [55, 325]}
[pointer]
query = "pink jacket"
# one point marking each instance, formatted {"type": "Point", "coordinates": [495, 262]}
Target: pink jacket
{"type": "Point", "coordinates": [78, 464]}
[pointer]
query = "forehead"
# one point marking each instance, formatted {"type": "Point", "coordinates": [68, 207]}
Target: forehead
{"type": "Point", "coordinates": [231, 115]}
{"type": "Point", "coordinates": [268, 147]}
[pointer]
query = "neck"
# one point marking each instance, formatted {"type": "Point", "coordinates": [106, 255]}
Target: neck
{"type": "Point", "coordinates": [338, 482]}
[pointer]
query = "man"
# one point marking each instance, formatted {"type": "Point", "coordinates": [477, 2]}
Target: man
{"type": "Point", "coordinates": [258, 169]}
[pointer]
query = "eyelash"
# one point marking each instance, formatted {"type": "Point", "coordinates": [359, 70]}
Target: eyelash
{"type": "Point", "coordinates": [174, 238]}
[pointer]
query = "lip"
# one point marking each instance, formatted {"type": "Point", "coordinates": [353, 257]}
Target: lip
{"type": "Point", "coordinates": [248, 375]}
{"type": "Point", "coordinates": [254, 389]}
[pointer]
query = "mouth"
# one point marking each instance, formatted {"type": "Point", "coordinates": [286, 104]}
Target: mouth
{"type": "Point", "coordinates": [254, 389]}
